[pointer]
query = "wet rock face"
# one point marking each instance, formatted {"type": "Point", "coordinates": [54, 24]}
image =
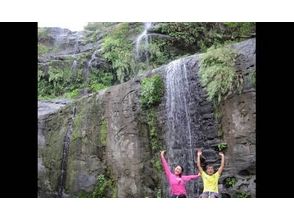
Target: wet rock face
{"type": "Point", "coordinates": [110, 136]}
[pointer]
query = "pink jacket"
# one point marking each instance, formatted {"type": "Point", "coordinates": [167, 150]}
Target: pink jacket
{"type": "Point", "coordinates": [177, 184]}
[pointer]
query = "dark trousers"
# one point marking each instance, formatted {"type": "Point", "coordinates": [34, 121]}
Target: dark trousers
{"type": "Point", "coordinates": [209, 195]}
{"type": "Point", "coordinates": [179, 196]}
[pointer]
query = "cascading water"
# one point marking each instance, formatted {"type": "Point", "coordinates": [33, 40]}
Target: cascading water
{"type": "Point", "coordinates": [88, 66]}
{"type": "Point", "coordinates": [75, 63]}
{"type": "Point", "coordinates": [64, 159]}
{"type": "Point", "coordinates": [183, 128]}
{"type": "Point", "coordinates": [141, 51]}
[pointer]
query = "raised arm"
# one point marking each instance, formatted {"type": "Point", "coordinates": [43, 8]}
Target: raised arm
{"type": "Point", "coordinates": [164, 164]}
{"type": "Point", "coordinates": [191, 177]}
{"type": "Point", "coordinates": [221, 168]}
{"type": "Point", "coordinates": [199, 152]}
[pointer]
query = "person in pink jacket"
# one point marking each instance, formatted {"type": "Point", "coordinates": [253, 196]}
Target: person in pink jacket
{"type": "Point", "coordinates": [176, 180]}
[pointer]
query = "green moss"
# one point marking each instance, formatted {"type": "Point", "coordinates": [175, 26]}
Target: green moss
{"type": "Point", "coordinates": [155, 143]}
{"type": "Point", "coordinates": [152, 90]}
{"type": "Point", "coordinates": [156, 162]}
{"type": "Point", "coordinates": [151, 93]}
{"type": "Point", "coordinates": [103, 132]}
{"type": "Point", "coordinates": [51, 154]}
{"type": "Point", "coordinates": [153, 133]}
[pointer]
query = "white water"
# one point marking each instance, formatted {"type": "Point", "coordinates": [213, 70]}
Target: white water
{"type": "Point", "coordinates": [76, 47]}
{"type": "Point", "coordinates": [181, 130]}
{"type": "Point", "coordinates": [143, 37]}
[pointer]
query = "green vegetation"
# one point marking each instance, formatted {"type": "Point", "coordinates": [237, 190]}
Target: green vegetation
{"type": "Point", "coordinates": [105, 188]}
{"type": "Point", "coordinates": [230, 181]}
{"type": "Point", "coordinates": [101, 186]}
{"type": "Point", "coordinates": [240, 30]}
{"type": "Point", "coordinates": [217, 73]}
{"type": "Point", "coordinates": [167, 41]}
{"type": "Point", "coordinates": [73, 94]}
{"type": "Point", "coordinates": [241, 194]}
{"type": "Point", "coordinates": [57, 81]}
{"type": "Point", "coordinates": [155, 143]}
{"type": "Point", "coordinates": [151, 93]}
{"type": "Point", "coordinates": [117, 49]}
{"type": "Point", "coordinates": [222, 146]}
{"type": "Point", "coordinates": [152, 90]}
{"type": "Point", "coordinates": [42, 49]}
{"type": "Point", "coordinates": [103, 132]}
{"type": "Point", "coordinates": [194, 37]}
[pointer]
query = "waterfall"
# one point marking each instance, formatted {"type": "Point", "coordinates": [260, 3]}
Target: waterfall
{"type": "Point", "coordinates": [88, 66]}
{"type": "Point", "coordinates": [182, 128]}
{"type": "Point", "coordinates": [64, 159]}
{"type": "Point", "coordinates": [93, 57]}
{"type": "Point", "coordinates": [142, 52]}
{"type": "Point", "coordinates": [74, 64]}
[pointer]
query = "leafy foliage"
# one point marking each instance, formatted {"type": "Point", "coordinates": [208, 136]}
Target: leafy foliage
{"type": "Point", "coordinates": [242, 194]}
{"type": "Point", "coordinates": [240, 29]}
{"type": "Point", "coordinates": [57, 81]}
{"type": "Point", "coordinates": [102, 187]}
{"type": "Point", "coordinates": [167, 41]}
{"type": "Point", "coordinates": [153, 132]}
{"type": "Point", "coordinates": [230, 181]}
{"type": "Point", "coordinates": [73, 94]}
{"type": "Point", "coordinates": [117, 49]}
{"type": "Point", "coordinates": [222, 146]}
{"type": "Point", "coordinates": [151, 91]}
{"type": "Point", "coordinates": [217, 73]}
{"type": "Point", "coordinates": [198, 36]}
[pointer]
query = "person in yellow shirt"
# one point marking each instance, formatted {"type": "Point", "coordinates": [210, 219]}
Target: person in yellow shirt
{"type": "Point", "coordinates": [210, 178]}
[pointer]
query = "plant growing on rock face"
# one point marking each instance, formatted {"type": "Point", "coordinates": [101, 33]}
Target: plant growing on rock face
{"type": "Point", "coordinates": [242, 194]}
{"type": "Point", "coordinates": [151, 91]}
{"type": "Point", "coordinates": [230, 182]}
{"type": "Point", "coordinates": [218, 74]}
{"type": "Point", "coordinates": [222, 146]}
{"type": "Point", "coordinates": [117, 49]}
{"type": "Point", "coordinates": [103, 186]}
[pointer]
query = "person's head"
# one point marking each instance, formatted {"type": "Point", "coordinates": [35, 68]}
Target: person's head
{"type": "Point", "coordinates": [179, 170]}
{"type": "Point", "coordinates": [209, 169]}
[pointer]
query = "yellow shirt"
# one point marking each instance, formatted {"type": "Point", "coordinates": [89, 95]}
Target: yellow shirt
{"type": "Point", "coordinates": [210, 182]}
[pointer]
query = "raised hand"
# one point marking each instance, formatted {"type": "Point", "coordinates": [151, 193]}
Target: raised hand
{"type": "Point", "coordinates": [162, 152]}
{"type": "Point", "coordinates": [221, 154]}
